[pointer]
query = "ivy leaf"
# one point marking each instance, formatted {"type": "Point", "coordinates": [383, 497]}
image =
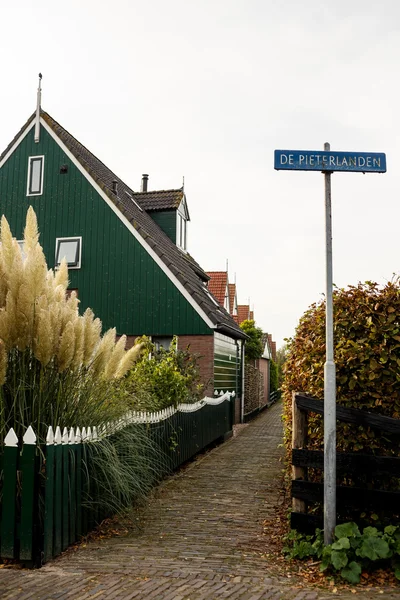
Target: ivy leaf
{"type": "Point", "coordinates": [374, 548]}
{"type": "Point", "coordinates": [397, 573]}
{"type": "Point", "coordinates": [352, 572]}
{"type": "Point", "coordinates": [342, 544]}
{"type": "Point", "coordinates": [370, 532]}
{"type": "Point", "coordinates": [347, 530]}
{"type": "Point", "coordinates": [339, 559]}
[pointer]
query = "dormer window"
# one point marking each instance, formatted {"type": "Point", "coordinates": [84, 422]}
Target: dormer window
{"type": "Point", "coordinates": [181, 225]}
{"type": "Point", "coordinates": [71, 250]}
{"type": "Point", "coordinates": [181, 232]}
{"type": "Point", "coordinates": [35, 176]}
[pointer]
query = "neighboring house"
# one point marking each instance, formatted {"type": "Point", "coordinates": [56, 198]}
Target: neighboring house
{"type": "Point", "coordinates": [272, 346]}
{"type": "Point", "coordinates": [243, 312]}
{"type": "Point", "coordinates": [126, 250]}
{"type": "Point", "coordinates": [233, 303]}
{"type": "Point", "coordinates": [263, 365]}
{"type": "Point", "coordinates": [219, 287]}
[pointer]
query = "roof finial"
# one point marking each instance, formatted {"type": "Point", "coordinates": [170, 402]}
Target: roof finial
{"type": "Point", "coordinates": [39, 100]}
{"type": "Point", "coordinates": [183, 183]}
{"type": "Point", "coordinates": [227, 265]}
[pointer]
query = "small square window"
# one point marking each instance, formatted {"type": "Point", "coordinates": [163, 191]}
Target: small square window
{"type": "Point", "coordinates": [35, 176]}
{"type": "Point", "coordinates": [21, 247]}
{"type": "Point", "coordinates": [71, 249]}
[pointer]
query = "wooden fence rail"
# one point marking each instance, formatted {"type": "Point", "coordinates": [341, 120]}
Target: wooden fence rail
{"type": "Point", "coordinates": [306, 493]}
{"type": "Point", "coordinates": [56, 475]}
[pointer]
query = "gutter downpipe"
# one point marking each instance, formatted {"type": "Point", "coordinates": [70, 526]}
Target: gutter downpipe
{"type": "Point", "coordinates": [242, 398]}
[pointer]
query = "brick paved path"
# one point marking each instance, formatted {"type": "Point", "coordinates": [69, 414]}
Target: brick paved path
{"type": "Point", "coordinates": [200, 538]}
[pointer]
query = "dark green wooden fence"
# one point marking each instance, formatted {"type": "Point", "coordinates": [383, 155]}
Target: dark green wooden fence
{"type": "Point", "coordinates": [43, 488]}
{"type": "Point", "coordinates": [361, 476]}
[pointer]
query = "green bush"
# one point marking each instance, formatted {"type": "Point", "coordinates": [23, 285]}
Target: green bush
{"type": "Point", "coordinates": [273, 375]}
{"type": "Point", "coordinates": [351, 551]}
{"type": "Point", "coordinates": [163, 378]}
{"type": "Point", "coordinates": [253, 348]}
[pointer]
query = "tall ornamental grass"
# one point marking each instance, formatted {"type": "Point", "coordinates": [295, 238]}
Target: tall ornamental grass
{"type": "Point", "coordinates": [55, 366]}
{"type": "Point", "coordinates": [57, 369]}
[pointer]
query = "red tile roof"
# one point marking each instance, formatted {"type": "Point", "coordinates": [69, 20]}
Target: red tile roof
{"type": "Point", "coordinates": [243, 313]}
{"type": "Point", "coordinates": [232, 294]}
{"type": "Point", "coordinates": [217, 285]}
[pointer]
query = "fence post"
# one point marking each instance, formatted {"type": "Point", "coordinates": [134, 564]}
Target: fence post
{"type": "Point", "coordinates": [49, 497]}
{"type": "Point", "coordinates": [78, 473]}
{"type": "Point", "coordinates": [65, 489]}
{"type": "Point", "coordinates": [28, 495]}
{"type": "Point", "coordinates": [72, 483]}
{"type": "Point", "coordinates": [299, 439]}
{"type": "Point", "coordinates": [8, 513]}
{"type": "Point", "coordinates": [57, 548]}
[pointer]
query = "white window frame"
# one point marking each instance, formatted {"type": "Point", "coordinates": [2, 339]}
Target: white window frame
{"type": "Point", "coordinates": [71, 238]}
{"type": "Point", "coordinates": [30, 159]}
{"type": "Point", "coordinates": [181, 231]}
{"type": "Point", "coordinates": [21, 247]}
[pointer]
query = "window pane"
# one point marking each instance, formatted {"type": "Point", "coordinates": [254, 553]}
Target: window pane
{"type": "Point", "coordinates": [68, 249]}
{"type": "Point", "coordinates": [36, 176]}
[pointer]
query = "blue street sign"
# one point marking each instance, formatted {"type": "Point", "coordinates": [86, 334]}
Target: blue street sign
{"type": "Point", "coordinates": [314, 160]}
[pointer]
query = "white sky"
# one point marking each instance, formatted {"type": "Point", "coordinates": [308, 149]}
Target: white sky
{"type": "Point", "coordinates": [208, 89]}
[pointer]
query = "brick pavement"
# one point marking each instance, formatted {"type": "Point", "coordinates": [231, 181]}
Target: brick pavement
{"type": "Point", "coordinates": [199, 538]}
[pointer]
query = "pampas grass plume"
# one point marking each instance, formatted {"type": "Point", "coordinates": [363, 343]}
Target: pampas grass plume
{"type": "Point", "coordinates": [128, 360]}
{"type": "Point", "coordinates": [66, 349]}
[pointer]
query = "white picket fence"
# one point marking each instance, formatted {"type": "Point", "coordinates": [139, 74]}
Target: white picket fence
{"type": "Point", "coordinates": [93, 434]}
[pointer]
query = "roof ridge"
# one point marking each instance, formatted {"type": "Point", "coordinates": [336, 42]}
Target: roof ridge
{"type": "Point", "coordinates": [159, 191]}
{"type": "Point", "coordinates": [45, 113]}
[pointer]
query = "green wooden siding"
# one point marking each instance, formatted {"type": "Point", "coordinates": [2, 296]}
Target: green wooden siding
{"type": "Point", "coordinates": [227, 364]}
{"type": "Point", "coordinates": [117, 279]}
{"type": "Point", "coordinates": [166, 220]}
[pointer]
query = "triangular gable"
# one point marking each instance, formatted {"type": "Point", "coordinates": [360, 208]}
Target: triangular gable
{"type": "Point", "coordinates": [187, 277]}
{"type": "Point", "coordinates": [129, 223]}
{"type": "Point", "coordinates": [184, 209]}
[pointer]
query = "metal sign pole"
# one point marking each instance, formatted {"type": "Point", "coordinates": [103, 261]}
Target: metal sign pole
{"type": "Point", "coordinates": [326, 162]}
{"type": "Point", "coordinates": [329, 380]}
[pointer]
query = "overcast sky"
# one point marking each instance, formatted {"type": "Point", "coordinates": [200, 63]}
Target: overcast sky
{"type": "Point", "coordinates": [208, 89]}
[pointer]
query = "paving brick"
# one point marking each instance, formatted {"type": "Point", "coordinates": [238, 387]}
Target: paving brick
{"type": "Point", "coordinates": [200, 537]}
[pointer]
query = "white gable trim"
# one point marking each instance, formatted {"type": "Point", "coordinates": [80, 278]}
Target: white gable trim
{"type": "Point", "coordinates": [17, 143]}
{"type": "Point", "coordinates": [130, 227]}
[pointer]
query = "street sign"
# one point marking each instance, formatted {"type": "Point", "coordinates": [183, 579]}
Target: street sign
{"type": "Point", "coordinates": [327, 162]}
{"type": "Point", "coordinates": [314, 160]}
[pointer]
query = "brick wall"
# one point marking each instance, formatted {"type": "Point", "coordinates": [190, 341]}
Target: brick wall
{"type": "Point", "coordinates": [253, 389]}
{"type": "Point", "coordinates": [203, 347]}
{"type": "Point", "coordinates": [130, 340]}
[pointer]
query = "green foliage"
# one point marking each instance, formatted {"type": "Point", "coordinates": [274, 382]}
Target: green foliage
{"type": "Point", "coordinates": [162, 378]}
{"type": "Point", "coordinates": [351, 551]}
{"type": "Point", "coordinates": [280, 362]}
{"type": "Point", "coordinates": [253, 347]}
{"type": "Point", "coordinates": [273, 375]}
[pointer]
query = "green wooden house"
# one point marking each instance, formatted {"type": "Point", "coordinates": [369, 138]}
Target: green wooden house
{"type": "Point", "coordinates": [126, 250]}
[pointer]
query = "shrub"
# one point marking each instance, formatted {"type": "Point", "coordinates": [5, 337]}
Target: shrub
{"type": "Point", "coordinates": [165, 378]}
{"type": "Point", "coordinates": [253, 348]}
{"type": "Point", "coordinates": [351, 551]}
{"type": "Point", "coordinates": [367, 356]}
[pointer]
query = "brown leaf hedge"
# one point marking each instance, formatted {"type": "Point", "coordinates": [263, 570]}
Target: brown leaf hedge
{"type": "Point", "coordinates": [367, 356]}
